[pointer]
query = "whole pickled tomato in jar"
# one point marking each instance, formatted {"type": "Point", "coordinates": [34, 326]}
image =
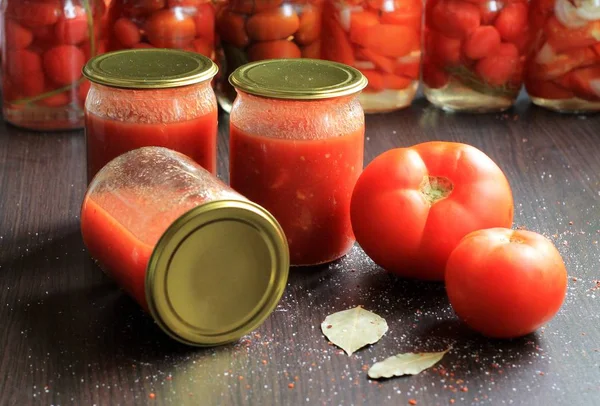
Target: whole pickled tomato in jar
{"type": "Point", "coordinates": [474, 53]}
{"type": "Point", "coordinates": [563, 67]}
{"type": "Point", "coordinates": [296, 148]}
{"type": "Point", "coordinates": [150, 97]}
{"type": "Point", "coordinates": [45, 44]}
{"type": "Point", "coordinates": [206, 263]}
{"type": "Point", "coordinates": [178, 24]}
{"type": "Point", "coordinates": [382, 38]}
{"type": "Point", "coordinates": [253, 30]}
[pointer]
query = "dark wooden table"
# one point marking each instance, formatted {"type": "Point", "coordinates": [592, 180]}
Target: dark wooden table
{"type": "Point", "coordinates": [69, 336]}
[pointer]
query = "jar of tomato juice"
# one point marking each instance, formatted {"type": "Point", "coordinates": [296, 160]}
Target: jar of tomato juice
{"type": "Point", "coordinates": [474, 53]}
{"type": "Point", "coordinates": [150, 97]}
{"type": "Point", "coordinates": [205, 262]}
{"type": "Point", "coordinates": [381, 38]}
{"type": "Point", "coordinates": [253, 30]}
{"type": "Point", "coordinates": [296, 148]}
{"type": "Point", "coordinates": [563, 67]}
{"type": "Point", "coordinates": [45, 44]}
{"type": "Point", "coordinates": [179, 24]}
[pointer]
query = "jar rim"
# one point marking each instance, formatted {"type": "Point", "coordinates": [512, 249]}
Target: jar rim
{"type": "Point", "coordinates": [151, 68]}
{"type": "Point", "coordinates": [298, 79]}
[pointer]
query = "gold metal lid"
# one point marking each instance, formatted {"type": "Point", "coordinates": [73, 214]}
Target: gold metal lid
{"type": "Point", "coordinates": [299, 79]}
{"type": "Point", "coordinates": [149, 68]}
{"type": "Point", "coordinates": [217, 272]}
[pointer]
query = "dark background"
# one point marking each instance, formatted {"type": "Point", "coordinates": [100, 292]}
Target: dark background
{"type": "Point", "coordinates": [69, 336]}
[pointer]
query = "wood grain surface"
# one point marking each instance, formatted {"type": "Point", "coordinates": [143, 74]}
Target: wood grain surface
{"type": "Point", "coordinates": [69, 336]}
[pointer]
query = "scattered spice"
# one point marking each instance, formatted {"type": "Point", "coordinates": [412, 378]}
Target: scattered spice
{"type": "Point", "coordinates": [264, 361]}
{"type": "Point", "coordinates": [452, 401]}
{"type": "Point", "coordinates": [152, 395]}
{"type": "Point", "coordinates": [574, 279]}
{"type": "Point", "coordinates": [291, 385]}
{"type": "Point", "coordinates": [412, 402]}
{"type": "Point", "coordinates": [464, 389]}
{"type": "Point", "coordinates": [542, 373]}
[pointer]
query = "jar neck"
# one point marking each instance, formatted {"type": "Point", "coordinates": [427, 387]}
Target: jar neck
{"type": "Point", "coordinates": [162, 93]}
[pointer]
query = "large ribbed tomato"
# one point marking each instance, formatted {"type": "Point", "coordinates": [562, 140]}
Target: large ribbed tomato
{"type": "Point", "coordinates": [411, 206]}
{"type": "Point", "coordinates": [505, 283]}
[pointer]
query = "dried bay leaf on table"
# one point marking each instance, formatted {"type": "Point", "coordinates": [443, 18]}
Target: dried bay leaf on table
{"type": "Point", "coordinates": [405, 364]}
{"type": "Point", "coordinates": [354, 328]}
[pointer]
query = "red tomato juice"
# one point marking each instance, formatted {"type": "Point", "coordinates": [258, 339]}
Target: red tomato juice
{"type": "Point", "coordinates": [125, 256]}
{"type": "Point", "coordinates": [306, 184]}
{"type": "Point", "coordinates": [106, 139]}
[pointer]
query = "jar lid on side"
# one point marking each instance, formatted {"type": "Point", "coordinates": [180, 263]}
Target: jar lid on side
{"type": "Point", "coordinates": [299, 79]}
{"type": "Point", "coordinates": [217, 273]}
{"type": "Point", "coordinates": [151, 68]}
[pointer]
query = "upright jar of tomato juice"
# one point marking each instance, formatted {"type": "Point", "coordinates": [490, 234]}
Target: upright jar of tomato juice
{"type": "Point", "coordinates": [563, 67]}
{"type": "Point", "coordinates": [45, 45]}
{"type": "Point", "coordinates": [142, 97]}
{"type": "Point", "coordinates": [474, 52]}
{"type": "Point", "coordinates": [253, 30]}
{"type": "Point", "coordinates": [208, 264]}
{"type": "Point", "coordinates": [382, 38]}
{"type": "Point", "coordinates": [296, 148]}
{"type": "Point", "coordinates": [179, 24]}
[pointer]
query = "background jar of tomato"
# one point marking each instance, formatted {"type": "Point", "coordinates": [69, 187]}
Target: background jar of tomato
{"type": "Point", "coordinates": [296, 148]}
{"type": "Point", "coordinates": [253, 30]}
{"type": "Point", "coordinates": [382, 38]}
{"type": "Point", "coordinates": [474, 52]}
{"type": "Point", "coordinates": [45, 45]}
{"type": "Point", "coordinates": [208, 264]}
{"type": "Point", "coordinates": [150, 97]}
{"type": "Point", "coordinates": [178, 24]}
{"type": "Point", "coordinates": [563, 67]}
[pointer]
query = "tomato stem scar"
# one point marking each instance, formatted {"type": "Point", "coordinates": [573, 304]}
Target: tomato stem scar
{"type": "Point", "coordinates": [436, 188]}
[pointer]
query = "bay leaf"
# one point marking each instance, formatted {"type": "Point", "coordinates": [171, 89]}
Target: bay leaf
{"type": "Point", "coordinates": [405, 364]}
{"type": "Point", "coordinates": [354, 328]}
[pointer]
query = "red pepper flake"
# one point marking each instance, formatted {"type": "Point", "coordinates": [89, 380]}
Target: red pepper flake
{"type": "Point", "coordinates": [329, 326]}
{"type": "Point", "coordinates": [459, 381]}
{"type": "Point", "coordinates": [291, 385]}
{"type": "Point", "coordinates": [296, 378]}
{"type": "Point", "coordinates": [152, 395]}
{"type": "Point", "coordinates": [241, 378]}
{"type": "Point", "coordinates": [264, 362]}
{"type": "Point", "coordinates": [464, 389]}
{"type": "Point", "coordinates": [542, 373]}
{"type": "Point", "coordinates": [452, 401]}
{"type": "Point", "coordinates": [412, 402]}
{"type": "Point", "coordinates": [570, 223]}
{"type": "Point", "coordinates": [574, 279]}
{"type": "Point", "coordinates": [365, 367]}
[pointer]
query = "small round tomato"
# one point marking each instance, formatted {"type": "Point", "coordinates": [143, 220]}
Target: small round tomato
{"type": "Point", "coordinates": [170, 29]}
{"type": "Point", "coordinates": [505, 283]}
{"type": "Point", "coordinates": [411, 206]}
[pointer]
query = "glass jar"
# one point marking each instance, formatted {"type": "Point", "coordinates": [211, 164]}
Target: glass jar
{"type": "Point", "coordinates": [208, 264]}
{"type": "Point", "coordinates": [296, 148]}
{"type": "Point", "coordinates": [381, 38]}
{"type": "Point", "coordinates": [45, 45]}
{"type": "Point", "coordinates": [144, 97]}
{"type": "Point", "coordinates": [253, 30]}
{"type": "Point", "coordinates": [474, 53]}
{"type": "Point", "coordinates": [178, 24]}
{"type": "Point", "coordinates": [563, 67]}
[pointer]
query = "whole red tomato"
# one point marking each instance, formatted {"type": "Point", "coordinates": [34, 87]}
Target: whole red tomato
{"type": "Point", "coordinates": [411, 206]}
{"type": "Point", "coordinates": [505, 283]}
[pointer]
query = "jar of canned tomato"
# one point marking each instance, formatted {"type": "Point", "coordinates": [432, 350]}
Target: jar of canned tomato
{"type": "Point", "coordinates": [381, 38]}
{"type": "Point", "coordinates": [474, 53]}
{"type": "Point", "coordinates": [206, 263]}
{"type": "Point", "coordinates": [253, 30]}
{"type": "Point", "coordinates": [563, 67]}
{"type": "Point", "coordinates": [45, 44]}
{"type": "Point", "coordinates": [178, 24]}
{"type": "Point", "coordinates": [296, 148]}
{"type": "Point", "coordinates": [150, 97]}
